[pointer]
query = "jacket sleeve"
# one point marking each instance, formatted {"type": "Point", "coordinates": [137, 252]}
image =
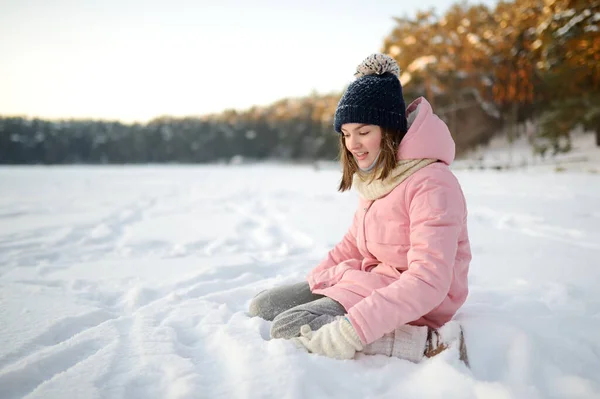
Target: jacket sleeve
{"type": "Point", "coordinates": [436, 208]}
{"type": "Point", "coordinates": [343, 256]}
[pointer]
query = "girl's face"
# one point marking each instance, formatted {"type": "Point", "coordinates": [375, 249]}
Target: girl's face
{"type": "Point", "coordinates": [363, 141]}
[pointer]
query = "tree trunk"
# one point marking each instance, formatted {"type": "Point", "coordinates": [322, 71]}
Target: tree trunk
{"type": "Point", "coordinates": [512, 129]}
{"type": "Point", "coordinates": [598, 137]}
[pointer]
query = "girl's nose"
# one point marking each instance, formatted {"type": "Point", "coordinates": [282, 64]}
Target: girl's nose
{"type": "Point", "coordinates": [352, 143]}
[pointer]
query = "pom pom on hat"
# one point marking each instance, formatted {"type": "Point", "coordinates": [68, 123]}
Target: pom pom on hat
{"type": "Point", "coordinates": [377, 64]}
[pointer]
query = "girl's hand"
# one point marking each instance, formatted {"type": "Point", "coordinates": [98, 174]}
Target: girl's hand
{"type": "Point", "coordinates": [337, 340]}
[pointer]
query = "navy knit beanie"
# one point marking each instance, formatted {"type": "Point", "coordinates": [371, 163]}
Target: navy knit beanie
{"type": "Point", "coordinates": [375, 97]}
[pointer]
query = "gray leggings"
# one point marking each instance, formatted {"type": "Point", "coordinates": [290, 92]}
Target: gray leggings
{"type": "Point", "coordinates": [289, 307]}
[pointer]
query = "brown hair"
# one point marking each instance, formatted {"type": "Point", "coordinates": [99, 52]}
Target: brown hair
{"type": "Point", "coordinates": [385, 163]}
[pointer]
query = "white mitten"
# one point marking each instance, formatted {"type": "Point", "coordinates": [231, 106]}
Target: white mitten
{"type": "Point", "coordinates": [337, 340]}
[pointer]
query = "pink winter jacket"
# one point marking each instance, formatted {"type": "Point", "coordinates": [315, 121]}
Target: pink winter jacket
{"type": "Point", "coordinates": [405, 259]}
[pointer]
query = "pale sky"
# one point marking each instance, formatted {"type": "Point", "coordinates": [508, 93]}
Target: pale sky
{"type": "Point", "coordinates": [133, 60]}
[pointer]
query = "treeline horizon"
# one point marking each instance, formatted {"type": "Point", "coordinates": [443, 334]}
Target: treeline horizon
{"type": "Point", "coordinates": [485, 70]}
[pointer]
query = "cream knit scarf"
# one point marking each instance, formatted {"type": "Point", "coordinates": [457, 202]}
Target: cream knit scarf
{"type": "Point", "coordinates": [378, 188]}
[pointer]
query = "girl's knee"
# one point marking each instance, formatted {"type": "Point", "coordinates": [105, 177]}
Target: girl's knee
{"type": "Point", "coordinates": [260, 306]}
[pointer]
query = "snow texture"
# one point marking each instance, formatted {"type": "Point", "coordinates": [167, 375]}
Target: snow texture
{"type": "Point", "coordinates": [134, 282]}
{"type": "Point", "coordinates": [501, 154]}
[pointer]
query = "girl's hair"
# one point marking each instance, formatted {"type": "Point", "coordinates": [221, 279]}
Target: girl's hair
{"type": "Point", "coordinates": [390, 140]}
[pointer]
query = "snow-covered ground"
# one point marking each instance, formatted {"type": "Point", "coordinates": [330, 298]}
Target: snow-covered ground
{"type": "Point", "coordinates": [133, 282]}
{"type": "Point", "coordinates": [499, 153]}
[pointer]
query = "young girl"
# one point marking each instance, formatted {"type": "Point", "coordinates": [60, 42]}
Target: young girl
{"type": "Point", "coordinates": [394, 282]}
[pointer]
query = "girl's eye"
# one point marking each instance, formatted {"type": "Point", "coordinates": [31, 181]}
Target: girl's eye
{"type": "Point", "coordinates": [364, 133]}
{"type": "Point", "coordinates": [346, 136]}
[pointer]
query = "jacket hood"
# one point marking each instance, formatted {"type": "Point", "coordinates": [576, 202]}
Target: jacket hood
{"type": "Point", "coordinates": [427, 135]}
